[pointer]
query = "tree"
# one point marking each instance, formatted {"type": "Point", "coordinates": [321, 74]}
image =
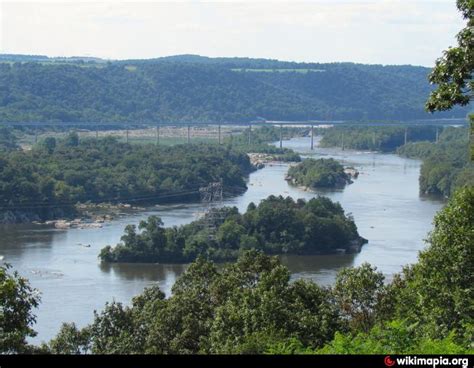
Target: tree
{"type": "Point", "coordinates": [358, 292]}
{"type": "Point", "coordinates": [70, 340]}
{"type": "Point", "coordinates": [49, 143]}
{"type": "Point", "coordinates": [17, 299]}
{"type": "Point", "coordinates": [394, 338]}
{"type": "Point", "coordinates": [453, 71]}
{"type": "Point", "coordinates": [443, 279]}
{"type": "Point", "coordinates": [72, 140]}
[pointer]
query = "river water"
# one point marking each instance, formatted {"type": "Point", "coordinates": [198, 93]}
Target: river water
{"type": "Point", "coordinates": [384, 201]}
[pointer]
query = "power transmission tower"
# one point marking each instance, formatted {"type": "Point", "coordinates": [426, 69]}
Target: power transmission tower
{"type": "Point", "coordinates": [211, 197]}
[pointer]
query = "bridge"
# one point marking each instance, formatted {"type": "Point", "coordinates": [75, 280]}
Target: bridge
{"type": "Point", "coordinates": [126, 126]}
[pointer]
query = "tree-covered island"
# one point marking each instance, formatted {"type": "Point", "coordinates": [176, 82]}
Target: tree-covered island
{"type": "Point", "coordinates": [48, 181]}
{"type": "Point", "coordinates": [276, 225]}
{"type": "Point", "coordinates": [319, 173]}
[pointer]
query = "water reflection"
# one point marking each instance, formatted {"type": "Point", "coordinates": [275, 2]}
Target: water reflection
{"type": "Point", "coordinates": [166, 274]}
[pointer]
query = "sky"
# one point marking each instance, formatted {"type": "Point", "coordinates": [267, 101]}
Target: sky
{"type": "Point", "coordinates": [372, 31]}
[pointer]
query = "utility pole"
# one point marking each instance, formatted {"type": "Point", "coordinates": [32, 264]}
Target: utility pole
{"type": "Point", "coordinates": [406, 135]}
{"type": "Point", "coordinates": [189, 134]}
{"type": "Point", "coordinates": [281, 136]}
{"type": "Point", "coordinates": [158, 134]}
{"type": "Point", "coordinates": [250, 134]}
{"type": "Point", "coordinates": [219, 133]}
{"type": "Point", "coordinates": [126, 132]}
{"type": "Point", "coordinates": [342, 140]}
{"type": "Point", "coordinates": [312, 137]}
{"type": "Point", "coordinates": [437, 134]}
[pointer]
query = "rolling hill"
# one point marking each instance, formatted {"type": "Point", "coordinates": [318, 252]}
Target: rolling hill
{"type": "Point", "coordinates": [199, 89]}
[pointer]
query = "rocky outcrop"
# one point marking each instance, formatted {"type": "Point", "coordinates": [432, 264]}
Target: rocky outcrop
{"type": "Point", "coordinates": [352, 172]}
{"type": "Point", "coordinates": [355, 245]}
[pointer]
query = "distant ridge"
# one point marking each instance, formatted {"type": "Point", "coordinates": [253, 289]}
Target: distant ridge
{"type": "Point", "coordinates": [203, 89]}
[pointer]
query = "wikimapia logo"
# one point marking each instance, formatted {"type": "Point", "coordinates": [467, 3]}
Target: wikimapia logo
{"type": "Point", "coordinates": [427, 361]}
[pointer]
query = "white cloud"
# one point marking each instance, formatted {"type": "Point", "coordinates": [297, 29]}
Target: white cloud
{"type": "Point", "coordinates": [383, 31]}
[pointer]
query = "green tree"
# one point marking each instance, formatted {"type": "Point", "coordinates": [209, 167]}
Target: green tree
{"type": "Point", "coordinates": [358, 292]}
{"type": "Point", "coordinates": [70, 340]}
{"type": "Point", "coordinates": [49, 143]}
{"type": "Point", "coordinates": [453, 71]}
{"type": "Point", "coordinates": [72, 140]}
{"type": "Point", "coordinates": [17, 300]}
{"type": "Point", "coordinates": [393, 338]}
{"type": "Point", "coordinates": [443, 278]}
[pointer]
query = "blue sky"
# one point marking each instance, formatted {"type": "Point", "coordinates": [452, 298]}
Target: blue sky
{"type": "Point", "coordinates": [376, 32]}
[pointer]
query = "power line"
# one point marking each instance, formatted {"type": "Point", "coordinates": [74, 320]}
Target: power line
{"type": "Point", "coordinates": [196, 190]}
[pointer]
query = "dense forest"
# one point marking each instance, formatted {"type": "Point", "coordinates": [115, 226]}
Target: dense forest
{"type": "Point", "coordinates": [227, 90]}
{"type": "Point", "coordinates": [8, 140]}
{"type": "Point", "coordinates": [252, 306]}
{"type": "Point", "coordinates": [315, 173]}
{"type": "Point", "coordinates": [50, 179]}
{"type": "Point", "coordinates": [446, 164]}
{"type": "Point", "coordinates": [375, 138]}
{"type": "Point", "coordinates": [276, 226]}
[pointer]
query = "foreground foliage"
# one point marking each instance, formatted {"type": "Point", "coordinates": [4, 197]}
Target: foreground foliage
{"type": "Point", "coordinates": [17, 301]}
{"type": "Point", "coordinates": [453, 70]}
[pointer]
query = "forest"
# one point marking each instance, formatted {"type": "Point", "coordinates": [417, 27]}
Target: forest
{"type": "Point", "coordinates": [374, 138]}
{"type": "Point", "coordinates": [315, 173]}
{"type": "Point", "coordinates": [174, 90]}
{"type": "Point", "coordinates": [252, 307]}
{"type": "Point", "coordinates": [446, 165]}
{"type": "Point", "coordinates": [276, 225]}
{"type": "Point", "coordinates": [58, 173]}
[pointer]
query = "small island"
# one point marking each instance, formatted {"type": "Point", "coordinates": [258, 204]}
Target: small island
{"type": "Point", "coordinates": [277, 225]}
{"type": "Point", "coordinates": [320, 173]}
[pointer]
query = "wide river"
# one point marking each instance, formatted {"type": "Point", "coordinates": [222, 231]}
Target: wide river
{"type": "Point", "coordinates": [384, 201]}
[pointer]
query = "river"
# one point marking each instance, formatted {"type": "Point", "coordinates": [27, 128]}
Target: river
{"type": "Point", "coordinates": [384, 201]}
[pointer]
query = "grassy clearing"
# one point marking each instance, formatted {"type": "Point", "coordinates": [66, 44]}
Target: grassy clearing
{"type": "Point", "coordinates": [302, 71]}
